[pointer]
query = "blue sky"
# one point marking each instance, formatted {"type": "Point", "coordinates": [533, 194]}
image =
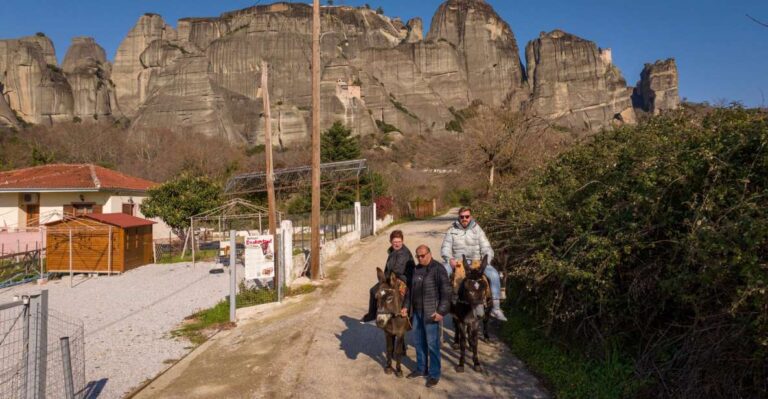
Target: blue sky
{"type": "Point", "coordinates": [722, 55]}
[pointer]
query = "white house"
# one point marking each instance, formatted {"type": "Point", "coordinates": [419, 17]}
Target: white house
{"type": "Point", "coordinates": [34, 196]}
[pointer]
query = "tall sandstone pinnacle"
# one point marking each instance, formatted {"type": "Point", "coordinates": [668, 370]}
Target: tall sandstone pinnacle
{"type": "Point", "coordinates": [127, 72]}
{"type": "Point", "coordinates": [487, 48]}
{"type": "Point", "coordinates": [575, 83]}
{"type": "Point", "coordinates": [88, 73]}
{"type": "Point", "coordinates": [658, 87]}
{"type": "Point", "coordinates": [33, 87]}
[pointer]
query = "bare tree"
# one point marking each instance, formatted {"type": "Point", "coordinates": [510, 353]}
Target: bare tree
{"type": "Point", "coordinates": [500, 141]}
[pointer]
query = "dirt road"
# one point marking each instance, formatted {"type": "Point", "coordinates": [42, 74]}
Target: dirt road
{"type": "Point", "coordinates": [317, 348]}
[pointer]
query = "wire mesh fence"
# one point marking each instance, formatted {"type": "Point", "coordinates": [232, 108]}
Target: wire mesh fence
{"type": "Point", "coordinates": [42, 352]}
{"type": "Point", "coordinates": [333, 224]}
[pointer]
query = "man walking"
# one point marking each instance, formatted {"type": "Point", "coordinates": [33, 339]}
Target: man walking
{"type": "Point", "coordinates": [428, 300]}
{"type": "Point", "coordinates": [465, 237]}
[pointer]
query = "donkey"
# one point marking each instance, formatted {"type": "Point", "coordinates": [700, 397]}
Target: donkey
{"type": "Point", "coordinates": [388, 318]}
{"type": "Point", "coordinates": [469, 311]}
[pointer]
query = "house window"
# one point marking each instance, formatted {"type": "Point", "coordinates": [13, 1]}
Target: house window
{"type": "Point", "coordinates": [128, 209]}
{"type": "Point", "coordinates": [81, 208]}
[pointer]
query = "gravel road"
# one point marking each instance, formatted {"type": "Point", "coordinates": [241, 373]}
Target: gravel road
{"type": "Point", "coordinates": [317, 348]}
{"type": "Point", "coordinates": [128, 318]}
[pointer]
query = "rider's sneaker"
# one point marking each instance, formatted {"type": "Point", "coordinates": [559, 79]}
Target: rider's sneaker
{"type": "Point", "coordinates": [498, 315]}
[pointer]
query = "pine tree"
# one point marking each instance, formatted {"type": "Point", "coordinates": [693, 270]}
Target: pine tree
{"type": "Point", "coordinates": [337, 144]}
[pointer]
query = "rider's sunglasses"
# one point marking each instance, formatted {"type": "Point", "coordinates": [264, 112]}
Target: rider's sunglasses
{"type": "Point", "coordinates": [465, 216]}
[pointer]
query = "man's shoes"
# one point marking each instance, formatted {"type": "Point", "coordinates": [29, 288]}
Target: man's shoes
{"type": "Point", "coordinates": [496, 313]}
{"type": "Point", "coordinates": [432, 382]}
{"type": "Point", "coordinates": [368, 317]}
{"type": "Point", "coordinates": [414, 374]}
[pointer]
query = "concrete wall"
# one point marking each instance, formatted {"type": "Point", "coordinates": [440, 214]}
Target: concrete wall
{"type": "Point", "coordinates": [9, 210]}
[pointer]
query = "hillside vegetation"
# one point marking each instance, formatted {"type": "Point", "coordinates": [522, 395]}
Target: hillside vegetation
{"type": "Point", "coordinates": [649, 244]}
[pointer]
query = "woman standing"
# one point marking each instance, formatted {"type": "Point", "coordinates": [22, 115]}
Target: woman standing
{"type": "Point", "coordinates": [399, 261]}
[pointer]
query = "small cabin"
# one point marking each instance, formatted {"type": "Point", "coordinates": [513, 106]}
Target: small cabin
{"type": "Point", "coordinates": [98, 243]}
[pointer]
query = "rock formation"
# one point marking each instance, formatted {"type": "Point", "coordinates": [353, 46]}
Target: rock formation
{"type": "Point", "coordinates": [204, 77]}
{"type": "Point", "coordinates": [487, 49]}
{"type": "Point", "coordinates": [127, 70]}
{"type": "Point", "coordinates": [37, 90]}
{"type": "Point", "coordinates": [657, 90]}
{"type": "Point", "coordinates": [88, 73]}
{"type": "Point", "coordinates": [575, 83]}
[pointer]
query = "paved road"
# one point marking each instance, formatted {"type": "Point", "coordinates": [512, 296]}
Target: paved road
{"type": "Point", "coordinates": [316, 348]}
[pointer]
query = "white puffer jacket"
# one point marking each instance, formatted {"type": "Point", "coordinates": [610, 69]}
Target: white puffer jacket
{"type": "Point", "coordinates": [471, 242]}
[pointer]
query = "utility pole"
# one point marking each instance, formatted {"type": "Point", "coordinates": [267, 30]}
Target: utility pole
{"type": "Point", "coordinates": [315, 219]}
{"type": "Point", "coordinates": [268, 151]}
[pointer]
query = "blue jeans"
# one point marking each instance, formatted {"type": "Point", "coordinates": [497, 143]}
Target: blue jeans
{"type": "Point", "coordinates": [426, 340]}
{"type": "Point", "coordinates": [493, 277]}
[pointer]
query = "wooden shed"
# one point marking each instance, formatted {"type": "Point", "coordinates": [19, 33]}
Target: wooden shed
{"type": "Point", "coordinates": [98, 243]}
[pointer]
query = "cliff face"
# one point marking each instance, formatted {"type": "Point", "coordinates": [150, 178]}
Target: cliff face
{"type": "Point", "coordinates": [37, 90]}
{"type": "Point", "coordinates": [204, 77]}
{"type": "Point", "coordinates": [487, 50]}
{"type": "Point", "coordinates": [575, 83]}
{"type": "Point", "coordinates": [88, 73]}
{"type": "Point", "coordinates": [658, 87]}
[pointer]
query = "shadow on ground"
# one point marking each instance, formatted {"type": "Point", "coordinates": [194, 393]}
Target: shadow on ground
{"type": "Point", "coordinates": [367, 339]}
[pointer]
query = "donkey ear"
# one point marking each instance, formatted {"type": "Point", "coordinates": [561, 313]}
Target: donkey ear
{"type": "Point", "coordinates": [380, 274]}
{"type": "Point", "coordinates": [483, 264]}
{"type": "Point", "coordinates": [392, 279]}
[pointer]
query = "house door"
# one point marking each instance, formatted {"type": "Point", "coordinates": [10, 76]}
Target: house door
{"type": "Point", "coordinates": [33, 215]}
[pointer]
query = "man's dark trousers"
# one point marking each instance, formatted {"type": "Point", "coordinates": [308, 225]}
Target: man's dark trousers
{"type": "Point", "coordinates": [426, 340]}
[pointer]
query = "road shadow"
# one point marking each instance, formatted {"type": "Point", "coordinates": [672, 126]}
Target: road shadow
{"type": "Point", "coordinates": [367, 339]}
{"type": "Point", "coordinates": [94, 388]}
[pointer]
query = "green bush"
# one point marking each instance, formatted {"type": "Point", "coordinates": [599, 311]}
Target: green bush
{"type": "Point", "coordinates": [654, 240]}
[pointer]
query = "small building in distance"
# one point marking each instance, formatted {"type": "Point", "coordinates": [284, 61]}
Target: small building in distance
{"type": "Point", "coordinates": [98, 243]}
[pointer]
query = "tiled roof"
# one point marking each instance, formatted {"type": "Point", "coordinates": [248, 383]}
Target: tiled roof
{"type": "Point", "coordinates": [70, 176]}
{"type": "Point", "coordinates": [119, 220]}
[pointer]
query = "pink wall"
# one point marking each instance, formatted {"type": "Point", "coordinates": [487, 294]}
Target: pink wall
{"type": "Point", "coordinates": [10, 241]}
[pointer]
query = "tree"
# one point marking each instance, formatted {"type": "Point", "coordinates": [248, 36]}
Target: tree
{"type": "Point", "coordinates": [380, 11]}
{"type": "Point", "coordinates": [177, 200]}
{"type": "Point", "coordinates": [493, 139]}
{"type": "Point", "coordinates": [338, 144]}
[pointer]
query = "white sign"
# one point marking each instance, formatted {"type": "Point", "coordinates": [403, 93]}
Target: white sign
{"type": "Point", "coordinates": [260, 257]}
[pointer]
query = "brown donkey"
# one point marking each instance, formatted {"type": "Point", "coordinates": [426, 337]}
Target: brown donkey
{"type": "Point", "coordinates": [470, 310]}
{"type": "Point", "coordinates": [388, 318]}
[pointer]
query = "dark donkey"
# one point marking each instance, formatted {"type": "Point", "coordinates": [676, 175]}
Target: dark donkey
{"type": "Point", "coordinates": [470, 310]}
{"type": "Point", "coordinates": [388, 318]}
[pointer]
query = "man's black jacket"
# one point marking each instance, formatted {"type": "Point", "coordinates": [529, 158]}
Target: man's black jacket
{"type": "Point", "coordinates": [436, 292]}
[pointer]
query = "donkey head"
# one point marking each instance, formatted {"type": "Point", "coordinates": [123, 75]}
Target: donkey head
{"type": "Point", "coordinates": [388, 298]}
{"type": "Point", "coordinates": [474, 289]}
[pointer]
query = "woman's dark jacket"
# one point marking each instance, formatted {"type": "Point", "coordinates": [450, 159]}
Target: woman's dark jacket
{"type": "Point", "coordinates": [400, 262]}
{"type": "Point", "coordinates": [436, 291]}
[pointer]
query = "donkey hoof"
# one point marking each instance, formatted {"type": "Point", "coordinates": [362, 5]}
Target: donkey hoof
{"type": "Point", "coordinates": [388, 370]}
{"type": "Point", "coordinates": [478, 368]}
{"type": "Point", "coordinates": [459, 369]}
{"type": "Point", "coordinates": [399, 373]}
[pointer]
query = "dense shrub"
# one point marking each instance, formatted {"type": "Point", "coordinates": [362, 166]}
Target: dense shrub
{"type": "Point", "coordinates": [652, 239]}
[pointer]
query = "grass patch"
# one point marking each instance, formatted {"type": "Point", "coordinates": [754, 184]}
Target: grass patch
{"type": "Point", "coordinates": [200, 325]}
{"type": "Point", "coordinates": [201, 256]}
{"type": "Point", "coordinates": [567, 372]}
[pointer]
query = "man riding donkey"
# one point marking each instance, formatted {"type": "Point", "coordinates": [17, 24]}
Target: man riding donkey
{"type": "Point", "coordinates": [465, 237]}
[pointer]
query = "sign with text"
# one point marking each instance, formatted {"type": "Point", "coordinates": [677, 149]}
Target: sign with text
{"type": "Point", "coordinates": [259, 257]}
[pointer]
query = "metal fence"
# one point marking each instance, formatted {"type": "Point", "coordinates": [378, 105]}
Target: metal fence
{"type": "Point", "coordinates": [42, 352]}
{"type": "Point", "coordinates": [366, 221]}
{"type": "Point", "coordinates": [21, 267]}
{"type": "Point", "coordinates": [333, 224]}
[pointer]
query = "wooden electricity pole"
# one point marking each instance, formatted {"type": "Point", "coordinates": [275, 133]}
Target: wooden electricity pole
{"type": "Point", "coordinates": [268, 151]}
{"type": "Point", "coordinates": [315, 219]}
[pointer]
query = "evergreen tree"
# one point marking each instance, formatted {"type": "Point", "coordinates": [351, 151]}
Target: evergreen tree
{"type": "Point", "coordinates": [337, 144]}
